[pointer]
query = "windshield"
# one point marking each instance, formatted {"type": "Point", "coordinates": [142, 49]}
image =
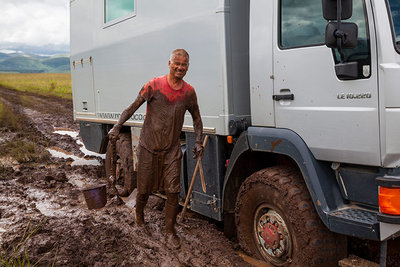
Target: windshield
{"type": "Point", "coordinates": [395, 12]}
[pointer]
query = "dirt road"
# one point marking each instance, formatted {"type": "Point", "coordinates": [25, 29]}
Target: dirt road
{"type": "Point", "coordinates": [43, 212]}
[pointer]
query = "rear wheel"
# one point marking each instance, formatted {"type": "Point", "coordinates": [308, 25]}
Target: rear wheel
{"type": "Point", "coordinates": [276, 222]}
{"type": "Point", "coordinates": [124, 163]}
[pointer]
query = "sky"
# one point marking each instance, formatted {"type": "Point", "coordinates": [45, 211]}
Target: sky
{"type": "Point", "coordinates": [41, 24]}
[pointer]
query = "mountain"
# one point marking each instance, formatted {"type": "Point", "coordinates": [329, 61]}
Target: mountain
{"type": "Point", "coordinates": [23, 63]}
{"type": "Point", "coordinates": [50, 49]}
{"type": "Point", "coordinates": [3, 56]}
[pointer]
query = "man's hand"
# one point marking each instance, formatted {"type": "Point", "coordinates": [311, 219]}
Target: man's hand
{"type": "Point", "coordinates": [197, 150]}
{"type": "Point", "coordinates": [113, 133]}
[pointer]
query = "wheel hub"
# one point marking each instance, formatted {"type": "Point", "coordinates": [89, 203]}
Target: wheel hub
{"type": "Point", "coordinates": [272, 236]}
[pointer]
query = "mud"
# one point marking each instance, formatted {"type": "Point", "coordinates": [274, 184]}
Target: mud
{"type": "Point", "coordinates": [44, 217]}
{"type": "Point", "coordinates": [44, 214]}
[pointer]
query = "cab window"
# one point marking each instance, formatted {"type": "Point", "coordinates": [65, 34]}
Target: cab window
{"type": "Point", "coordinates": [394, 8]}
{"type": "Point", "coordinates": [301, 23]}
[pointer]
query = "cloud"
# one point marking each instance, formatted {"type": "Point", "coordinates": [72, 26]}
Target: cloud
{"type": "Point", "coordinates": [34, 22]}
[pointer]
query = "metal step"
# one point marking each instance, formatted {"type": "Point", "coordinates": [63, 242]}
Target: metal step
{"type": "Point", "coordinates": [355, 221]}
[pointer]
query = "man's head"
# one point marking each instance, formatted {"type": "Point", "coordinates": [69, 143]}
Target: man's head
{"type": "Point", "coordinates": [178, 63]}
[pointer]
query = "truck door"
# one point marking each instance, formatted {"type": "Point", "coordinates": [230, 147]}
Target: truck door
{"type": "Point", "coordinates": [84, 97]}
{"type": "Point", "coordinates": [338, 119]}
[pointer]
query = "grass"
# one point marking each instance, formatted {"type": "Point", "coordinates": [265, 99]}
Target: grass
{"type": "Point", "coordinates": [20, 148]}
{"type": "Point", "coordinates": [55, 84]}
{"type": "Point", "coordinates": [18, 255]}
{"type": "Point", "coordinates": [8, 119]}
{"type": "Point", "coordinates": [24, 151]}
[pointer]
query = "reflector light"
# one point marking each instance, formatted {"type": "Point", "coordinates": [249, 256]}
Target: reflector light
{"type": "Point", "coordinates": [229, 139]}
{"type": "Point", "coordinates": [389, 200]}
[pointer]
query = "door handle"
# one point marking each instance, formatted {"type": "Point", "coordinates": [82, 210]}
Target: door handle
{"type": "Point", "coordinates": [283, 97]}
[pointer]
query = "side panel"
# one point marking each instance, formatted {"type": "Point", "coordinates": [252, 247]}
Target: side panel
{"type": "Point", "coordinates": [261, 63]}
{"type": "Point", "coordinates": [81, 17]}
{"type": "Point", "coordinates": [237, 58]}
{"type": "Point", "coordinates": [207, 203]}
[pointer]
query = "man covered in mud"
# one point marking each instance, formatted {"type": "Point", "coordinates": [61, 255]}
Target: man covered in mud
{"type": "Point", "coordinates": [159, 153]}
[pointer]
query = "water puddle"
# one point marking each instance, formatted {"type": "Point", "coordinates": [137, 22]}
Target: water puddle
{"type": "Point", "coordinates": [79, 181]}
{"type": "Point", "coordinates": [65, 131]}
{"type": "Point", "coordinates": [47, 204]}
{"type": "Point", "coordinates": [77, 160]}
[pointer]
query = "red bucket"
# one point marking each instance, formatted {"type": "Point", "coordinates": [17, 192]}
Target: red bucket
{"type": "Point", "coordinates": [95, 196]}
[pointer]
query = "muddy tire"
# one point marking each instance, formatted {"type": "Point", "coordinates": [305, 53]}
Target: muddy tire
{"type": "Point", "coordinates": [124, 166]}
{"type": "Point", "coordinates": [276, 221]}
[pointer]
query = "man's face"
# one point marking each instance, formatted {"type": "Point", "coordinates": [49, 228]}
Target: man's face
{"type": "Point", "coordinates": [178, 66]}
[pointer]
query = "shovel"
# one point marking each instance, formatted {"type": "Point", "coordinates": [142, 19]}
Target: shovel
{"type": "Point", "coordinates": [113, 179]}
{"type": "Point", "coordinates": [196, 169]}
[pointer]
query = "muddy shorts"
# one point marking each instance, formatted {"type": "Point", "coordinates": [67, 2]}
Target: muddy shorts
{"type": "Point", "coordinates": [159, 170]}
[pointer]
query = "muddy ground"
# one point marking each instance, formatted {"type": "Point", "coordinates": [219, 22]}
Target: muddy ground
{"type": "Point", "coordinates": [42, 207]}
{"type": "Point", "coordinates": [43, 214]}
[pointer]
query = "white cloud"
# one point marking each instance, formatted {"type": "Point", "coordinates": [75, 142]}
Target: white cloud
{"type": "Point", "coordinates": [34, 22]}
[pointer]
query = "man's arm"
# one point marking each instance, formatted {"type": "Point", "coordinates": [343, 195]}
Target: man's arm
{"type": "Point", "coordinates": [126, 114]}
{"type": "Point", "coordinates": [198, 129]}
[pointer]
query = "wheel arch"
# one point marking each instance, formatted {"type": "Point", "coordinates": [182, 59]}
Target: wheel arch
{"type": "Point", "coordinates": [269, 145]}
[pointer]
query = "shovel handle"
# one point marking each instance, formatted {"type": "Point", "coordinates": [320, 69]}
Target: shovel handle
{"type": "Point", "coordinates": [113, 167]}
{"type": "Point", "coordinates": [203, 182]}
{"type": "Point", "coordinates": [193, 179]}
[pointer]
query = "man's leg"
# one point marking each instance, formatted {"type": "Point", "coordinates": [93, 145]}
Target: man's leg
{"type": "Point", "coordinates": [145, 175]}
{"type": "Point", "coordinates": [171, 211]}
{"type": "Point", "coordinates": [172, 174]}
{"type": "Point", "coordinates": [141, 201]}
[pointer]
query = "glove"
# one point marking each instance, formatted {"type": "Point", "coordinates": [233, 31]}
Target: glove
{"type": "Point", "coordinates": [197, 150]}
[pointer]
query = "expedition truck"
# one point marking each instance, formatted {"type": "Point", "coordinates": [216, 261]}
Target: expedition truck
{"type": "Point", "coordinates": [300, 100]}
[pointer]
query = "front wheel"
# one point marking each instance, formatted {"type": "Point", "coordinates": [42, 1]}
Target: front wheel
{"type": "Point", "coordinates": [276, 221]}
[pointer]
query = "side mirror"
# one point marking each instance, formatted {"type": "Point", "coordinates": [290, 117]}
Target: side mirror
{"type": "Point", "coordinates": [347, 71]}
{"type": "Point", "coordinates": [329, 9]}
{"type": "Point", "coordinates": [348, 33]}
{"type": "Point", "coordinates": [341, 35]}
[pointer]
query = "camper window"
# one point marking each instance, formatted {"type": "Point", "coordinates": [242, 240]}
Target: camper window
{"type": "Point", "coordinates": [301, 23]}
{"type": "Point", "coordinates": [118, 10]}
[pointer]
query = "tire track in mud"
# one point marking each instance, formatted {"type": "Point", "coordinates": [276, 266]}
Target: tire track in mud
{"type": "Point", "coordinates": [45, 196]}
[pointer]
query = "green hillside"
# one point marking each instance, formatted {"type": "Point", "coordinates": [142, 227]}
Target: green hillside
{"type": "Point", "coordinates": [33, 64]}
{"type": "Point", "coordinates": [3, 56]}
{"type": "Point", "coordinates": [56, 62]}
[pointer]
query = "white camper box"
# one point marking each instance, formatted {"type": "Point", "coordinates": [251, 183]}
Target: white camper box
{"type": "Point", "coordinates": [112, 61]}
